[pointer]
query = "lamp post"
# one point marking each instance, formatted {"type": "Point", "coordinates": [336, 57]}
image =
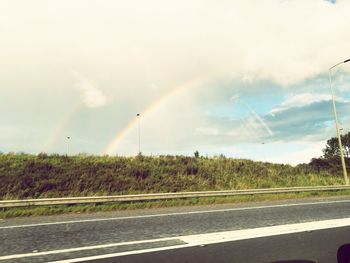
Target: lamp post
{"type": "Point", "coordinates": [138, 116]}
{"type": "Point", "coordinates": [337, 123]}
{"type": "Point", "coordinates": [68, 138]}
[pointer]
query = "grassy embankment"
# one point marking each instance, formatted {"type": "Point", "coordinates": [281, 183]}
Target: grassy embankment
{"type": "Point", "coordinates": [27, 176]}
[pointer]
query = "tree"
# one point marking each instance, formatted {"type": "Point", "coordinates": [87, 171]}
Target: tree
{"type": "Point", "coordinates": [332, 147]}
{"type": "Point", "coordinates": [196, 154]}
{"type": "Point", "coordinates": [319, 164]}
{"type": "Point", "coordinates": [346, 144]}
{"type": "Point", "coordinates": [330, 160]}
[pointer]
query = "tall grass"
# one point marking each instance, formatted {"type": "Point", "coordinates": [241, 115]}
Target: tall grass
{"type": "Point", "coordinates": [30, 176]}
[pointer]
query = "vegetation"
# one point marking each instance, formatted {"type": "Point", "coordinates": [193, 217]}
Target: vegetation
{"type": "Point", "coordinates": [330, 160]}
{"type": "Point", "coordinates": [89, 208]}
{"type": "Point", "coordinates": [30, 176]}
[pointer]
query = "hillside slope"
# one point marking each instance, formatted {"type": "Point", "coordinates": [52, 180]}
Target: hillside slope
{"type": "Point", "coordinates": [30, 176]}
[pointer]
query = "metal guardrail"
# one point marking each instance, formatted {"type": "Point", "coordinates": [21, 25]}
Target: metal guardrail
{"type": "Point", "coordinates": [160, 196]}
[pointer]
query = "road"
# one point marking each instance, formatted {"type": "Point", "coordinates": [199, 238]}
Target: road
{"type": "Point", "coordinates": [251, 232]}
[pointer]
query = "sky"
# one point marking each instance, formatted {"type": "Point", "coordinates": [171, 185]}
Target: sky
{"type": "Point", "coordinates": [247, 79]}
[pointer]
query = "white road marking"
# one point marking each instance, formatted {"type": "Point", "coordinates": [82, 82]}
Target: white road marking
{"type": "Point", "coordinates": [173, 214]}
{"type": "Point", "coordinates": [69, 250]}
{"type": "Point", "coordinates": [227, 236]}
{"type": "Point", "coordinates": [127, 253]}
{"type": "Point", "coordinates": [196, 240]}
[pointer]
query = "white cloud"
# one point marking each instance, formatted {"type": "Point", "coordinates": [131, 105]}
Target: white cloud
{"type": "Point", "coordinates": [208, 131]}
{"type": "Point", "coordinates": [301, 100]}
{"type": "Point", "coordinates": [303, 155]}
{"type": "Point", "coordinates": [161, 41]}
{"type": "Point", "coordinates": [92, 97]}
{"type": "Point", "coordinates": [234, 98]}
{"type": "Point", "coordinates": [138, 51]}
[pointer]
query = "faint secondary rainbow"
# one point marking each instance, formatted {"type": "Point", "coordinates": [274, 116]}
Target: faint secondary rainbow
{"type": "Point", "coordinates": [60, 128]}
{"type": "Point", "coordinates": [111, 147]}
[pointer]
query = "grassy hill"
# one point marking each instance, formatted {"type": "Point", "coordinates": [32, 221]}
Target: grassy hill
{"type": "Point", "coordinates": [30, 176]}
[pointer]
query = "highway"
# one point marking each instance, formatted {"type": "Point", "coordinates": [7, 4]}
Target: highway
{"type": "Point", "coordinates": [251, 232]}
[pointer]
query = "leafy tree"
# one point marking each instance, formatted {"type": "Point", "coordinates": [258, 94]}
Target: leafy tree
{"type": "Point", "coordinates": [332, 147]}
{"type": "Point", "coordinates": [346, 144]}
{"type": "Point", "coordinates": [330, 160]}
{"type": "Point", "coordinates": [196, 154]}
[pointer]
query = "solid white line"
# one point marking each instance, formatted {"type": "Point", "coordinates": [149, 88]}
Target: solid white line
{"type": "Point", "coordinates": [120, 254]}
{"type": "Point", "coordinates": [220, 237]}
{"type": "Point", "coordinates": [174, 214]}
{"type": "Point", "coordinates": [69, 250]}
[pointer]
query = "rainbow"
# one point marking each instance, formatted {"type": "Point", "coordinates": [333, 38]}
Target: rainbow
{"type": "Point", "coordinates": [111, 147]}
{"type": "Point", "coordinates": [60, 128]}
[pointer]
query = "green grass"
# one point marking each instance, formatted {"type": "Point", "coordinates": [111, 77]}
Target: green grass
{"type": "Point", "coordinates": [91, 208]}
{"type": "Point", "coordinates": [29, 176]}
{"type": "Point", "coordinates": [25, 176]}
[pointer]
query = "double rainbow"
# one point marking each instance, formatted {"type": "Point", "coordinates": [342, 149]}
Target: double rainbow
{"type": "Point", "coordinates": [111, 147]}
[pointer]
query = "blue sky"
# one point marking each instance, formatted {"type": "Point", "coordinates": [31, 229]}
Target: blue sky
{"type": "Point", "coordinates": [245, 79]}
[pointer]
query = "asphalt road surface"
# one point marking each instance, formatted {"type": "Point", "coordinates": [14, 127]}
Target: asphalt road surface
{"type": "Point", "coordinates": [254, 232]}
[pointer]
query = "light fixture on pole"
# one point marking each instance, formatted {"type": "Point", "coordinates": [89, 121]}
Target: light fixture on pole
{"type": "Point", "coordinates": [138, 116]}
{"type": "Point", "coordinates": [337, 123]}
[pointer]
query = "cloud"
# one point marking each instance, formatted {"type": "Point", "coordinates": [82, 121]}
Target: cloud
{"type": "Point", "coordinates": [301, 117]}
{"type": "Point", "coordinates": [92, 97]}
{"type": "Point", "coordinates": [310, 121]}
{"type": "Point", "coordinates": [282, 41]}
{"type": "Point", "coordinates": [300, 100]}
{"type": "Point", "coordinates": [137, 51]}
{"type": "Point", "coordinates": [207, 131]}
{"type": "Point", "coordinates": [234, 98]}
{"type": "Point", "coordinates": [305, 153]}
{"type": "Point", "coordinates": [220, 131]}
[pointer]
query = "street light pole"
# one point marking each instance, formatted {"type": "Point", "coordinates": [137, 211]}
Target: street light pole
{"type": "Point", "coordinates": [346, 179]}
{"type": "Point", "coordinates": [68, 138]}
{"type": "Point", "coordinates": [138, 116]}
